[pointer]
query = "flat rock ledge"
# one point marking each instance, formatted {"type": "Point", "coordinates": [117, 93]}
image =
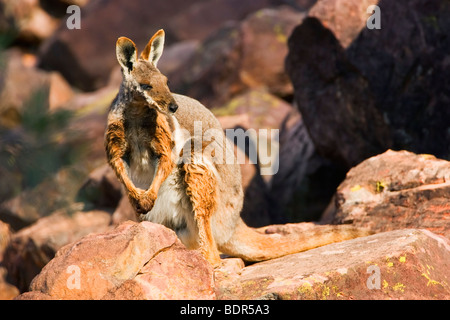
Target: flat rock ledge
{"type": "Point", "coordinates": [400, 264]}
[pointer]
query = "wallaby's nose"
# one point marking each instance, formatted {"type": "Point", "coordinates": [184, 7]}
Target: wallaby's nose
{"type": "Point", "coordinates": [173, 107]}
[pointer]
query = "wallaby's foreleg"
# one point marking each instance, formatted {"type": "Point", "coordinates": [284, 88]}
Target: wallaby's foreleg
{"type": "Point", "coordinates": [116, 147]}
{"type": "Point", "coordinates": [201, 189]}
{"type": "Point", "coordinates": [162, 145]}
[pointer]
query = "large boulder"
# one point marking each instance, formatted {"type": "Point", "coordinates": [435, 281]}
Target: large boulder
{"type": "Point", "coordinates": [362, 91]}
{"type": "Point", "coordinates": [31, 248]}
{"type": "Point", "coordinates": [133, 261]}
{"type": "Point", "coordinates": [401, 264]}
{"type": "Point", "coordinates": [395, 190]}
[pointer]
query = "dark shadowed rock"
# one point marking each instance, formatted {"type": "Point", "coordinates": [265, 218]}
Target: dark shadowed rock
{"type": "Point", "coordinates": [363, 90]}
{"type": "Point", "coordinates": [333, 97]}
{"type": "Point", "coordinates": [256, 115]}
{"type": "Point", "coordinates": [101, 189]}
{"type": "Point", "coordinates": [305, 181]}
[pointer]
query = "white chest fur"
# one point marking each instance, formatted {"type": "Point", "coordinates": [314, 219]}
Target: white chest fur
{"type": "Point", "coordinates": [172, 207]}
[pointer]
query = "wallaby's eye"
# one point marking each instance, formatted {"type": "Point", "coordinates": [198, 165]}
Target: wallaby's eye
{"type": "Point", "coordinates": [145, 86]}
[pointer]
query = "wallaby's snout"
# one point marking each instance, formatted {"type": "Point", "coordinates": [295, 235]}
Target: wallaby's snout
{"type": "Point", "coordinates": [173, 107]}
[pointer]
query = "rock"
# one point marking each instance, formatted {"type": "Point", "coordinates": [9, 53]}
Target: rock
{"type": "Point", "coordinates": [43, 151]}
{"type": "Point", "coordinates": [297, 191]}
{"type": "Point", "coordinates": [133, 261]}
{"type": "Point", "coordinates": [26, 20]}
{"type": "Point", "coordinates": [345, 19]}
{"type": "Point", "coordinates": [7, 290]}
{"type": "Point", "coordinates": [362, 91]}
{"type": "Point", "coordinates": [262, 109]}
{"type": "Point", "coordinates": [255, 211]}
{"type": "Point", "coordinates": [90, 123]}
{"type": "Point", "coordinates": [345, 126]}
{"type": "Point", "coordinates": [395, 190]}
{"type": "Point", "coordinates": [17, 92]}
{"type": "Point", "coordinates": [56, 192]}
{"type": "Point", "coordinates": [124, 211]}
{"type": "Point", "coordinates": [5, 237]}
{"type": "Point", "coordinates": [102, 189]}
{"type": "Point", "coordinates": [17, 213]}
{"type": "Point", "coordinates": [169, 276]}
{"type": "Point", "coordinates": [85, 57]}
{"type": "Point", "coordinates": [258, 115]}
{"type": "Point", "coordinates": [239, 56]}
{"type": "Point", "coordinates": [209, 16]}
{"type": "Point", "coordinates": [175, 56]}
{"type": "Point", "coordinates": [33, 295]}
{"type": "Point", "coordinates": [302, 5]}
{"type": "Point", "coordinates": [18, 83]}
{"type": "Point", "coordinates": [60, 92]}
{"type": "Point", "coordinates": [401, 264]}
{"type": "Point", "coordinates": [33, 247]}
{"type": "Point", "coordinates": [264, 37]}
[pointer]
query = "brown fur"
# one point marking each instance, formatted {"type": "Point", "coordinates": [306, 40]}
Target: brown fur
{"type": "Point", "coordinates": [201, 189]}
{"type": "Point", "coordinates": [116, 147]}
{"type": "Point", "coordinates": [162, 145]}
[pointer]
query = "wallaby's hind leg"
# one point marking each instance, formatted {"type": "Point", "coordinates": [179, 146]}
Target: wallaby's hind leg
{"type": "Point", "coordinates": [201, 189]}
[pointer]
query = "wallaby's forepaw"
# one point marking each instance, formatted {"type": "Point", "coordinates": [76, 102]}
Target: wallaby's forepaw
{"type": "Point", "coordinates": [144, 202]}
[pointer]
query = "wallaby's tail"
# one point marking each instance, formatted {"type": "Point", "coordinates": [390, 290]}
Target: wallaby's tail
{"type": "Point", "coordinates": [251, 245]}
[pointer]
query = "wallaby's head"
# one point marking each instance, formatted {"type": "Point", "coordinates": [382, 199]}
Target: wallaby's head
{"type": "Point", "coordinates": [142, 80]}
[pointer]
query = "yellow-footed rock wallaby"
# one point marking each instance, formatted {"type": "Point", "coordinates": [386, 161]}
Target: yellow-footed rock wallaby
{"type": "Point", "coordinates": [172, 175]}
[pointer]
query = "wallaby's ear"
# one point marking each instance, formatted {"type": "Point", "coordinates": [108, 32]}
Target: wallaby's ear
{"type": "Point", "coordinates": [154, 48]}
{"type": "Point", "coordinates": [126, 53]}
